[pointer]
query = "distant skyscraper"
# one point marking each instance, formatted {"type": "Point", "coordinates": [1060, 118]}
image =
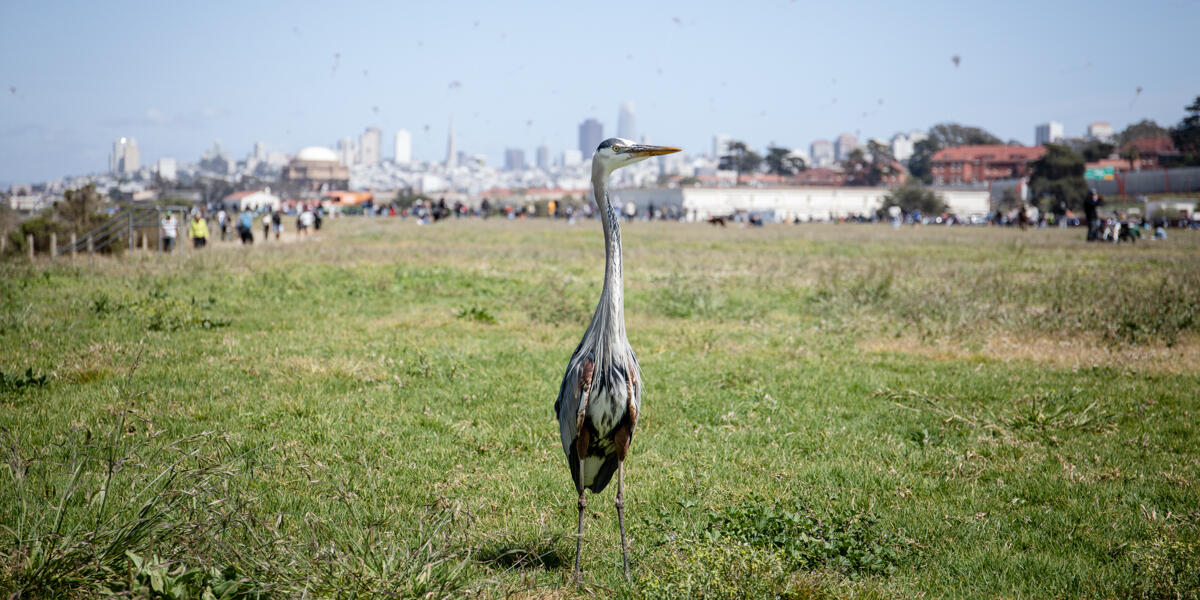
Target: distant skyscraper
{"type": "Point", "coordinates": [125, 158]}
{"type": "Point", "coordinates": [369, 144]}
{"type": "Point", "coordinates": [1100, 131]}
{"type": "Point", "coordinates": [543, 157]}
{"type": "Point", "coordinates": [626, 122]}
{"type": "Point", "coordinates": [451, 151]}
{"type": "Point", "coordinates": [844, 145]}
{"type": "Point", "coordinates": [1048, 133]}
{"type": "Point", "coordinates": [514, 159]}
{"type": "Point", "coordinates": [571, 158]}
{"type": "Point", "coordinates": [591, 133]}
{"type": "Point", "coordinates": [347, 152]}
{"type": "Point", "coordinates": [721, 144]}
{"type": "Point", "coordinates": [403, 149]}
{"type": "Point", "coordinates": [821, 152]}
{"type": "Point", "coordinates": [260, 151]}
{"type": "Point", "coordinates": [166, 169]}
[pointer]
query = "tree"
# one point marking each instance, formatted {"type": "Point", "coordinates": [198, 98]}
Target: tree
{"type": "Point", "coordinates": [1058, 174]}
{"type": "Point", "coordinates": [741, 159]}
{"type": "Point", "coordinates": [1142, 129]}
{"type": "Point", "coordinates": [870, 167]}
{"type": "Point", "coordinates": [1096, 150]}
{"type": "Point", "coordinates": [781, 161]}
{"type": "Point", "coordinates": [913, 195]}
{"type": "Point", "coordinates": [1186, 134]}
{"type": "Point", "coordinates": [945, 135]}
{"type": "Point", "coordinates": [79, 208]}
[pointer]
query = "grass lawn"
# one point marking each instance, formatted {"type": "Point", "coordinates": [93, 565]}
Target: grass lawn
{"type": "Point", "coordinates": [830, 411]}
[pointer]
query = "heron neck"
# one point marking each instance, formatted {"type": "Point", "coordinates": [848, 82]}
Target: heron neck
{"type": "Point", "coordinates": [612, 298]}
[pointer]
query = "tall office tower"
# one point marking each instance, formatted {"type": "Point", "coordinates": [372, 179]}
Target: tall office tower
{"type": "Point", "coordinates": [721, 144]}
{"type": "Point", "coordinates": [125, 158]}
{"type": "Point", "coordinates": [844, 144]}
{"type": "Point", "coordinates": [514, 159]}
{"type": "Point", "coordinates": [904, 144]}
{"type": "Point", "coordinates": [369, 144]}
{"type": "Point", "coordinates": [260, 151]}
{"type": "Point", "coordinates": [626, 122]}
{"type": "Point", "coordinates": [1048, 133]}
{"type": "Point", "coordinates": [403, 149]}
{"type": "Point", "coordinates": [821, 152]}
{"type": "Point", "coordinates": [543, 157]}
{"type": "Point", "coordinates": [591, 133]}
{"type": "Point", "coordinates": [347, 152]}
{"type": "Point", "coordinates": [451, 151]}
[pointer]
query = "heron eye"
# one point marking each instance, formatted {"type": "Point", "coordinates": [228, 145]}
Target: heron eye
{"type": "Point", "coordinates": [617, 148]}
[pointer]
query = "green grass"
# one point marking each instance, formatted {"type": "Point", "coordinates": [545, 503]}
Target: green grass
{"type": "Point", "coordinates": [831, 411]}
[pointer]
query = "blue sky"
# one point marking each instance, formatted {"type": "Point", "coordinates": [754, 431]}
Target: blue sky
{"type": "Point", "coordinates": [177, 76]}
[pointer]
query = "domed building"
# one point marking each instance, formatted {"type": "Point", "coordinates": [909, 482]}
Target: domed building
{"type": "Point", "coordinates": [315, 169]}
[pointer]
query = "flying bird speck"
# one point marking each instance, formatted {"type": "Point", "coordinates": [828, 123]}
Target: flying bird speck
{"type": "Point", "coordinates": [13, 89]}
{"type": "Point", "coordinates": [956, 59]}
{"type": "Point", "coordinates": [454, 85]}
{"type": "Point", "coordinates": [337, 58]}
{"type": "Point", "coordinates": [426, 128]}
{"type": "Point", "coordinates": [529, 123]}
{"type": "Point", "coordinates": [1136, 94]}
{"type": "Point", "coordinates": [677, 21]}
{"type": "Point", "coordinates": [375, 109]}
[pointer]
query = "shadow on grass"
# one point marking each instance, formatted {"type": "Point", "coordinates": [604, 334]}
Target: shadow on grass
{"type": "Point", "coordinates": [519, 554]}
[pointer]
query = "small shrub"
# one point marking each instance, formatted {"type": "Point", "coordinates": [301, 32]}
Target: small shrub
{"type": "Point", "coordinates": [478, 314]}
{"type": "Point", "coordinates": [21, 383]}
{"type": "Point", "coordinates": [841, 541]}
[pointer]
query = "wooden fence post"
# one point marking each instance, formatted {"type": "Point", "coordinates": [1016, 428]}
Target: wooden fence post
{"type": "Point", "coordinates": [29, 238]}
{"type": "Point", "coordinates": [53, 245]}
{"type": "Point", "coordinates": [74, 251]}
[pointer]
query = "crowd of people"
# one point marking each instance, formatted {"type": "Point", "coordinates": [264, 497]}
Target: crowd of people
{"type": "Point", "coordinates": [1115, 226]}
{"type": "Point", "coordinates": [239, 225]}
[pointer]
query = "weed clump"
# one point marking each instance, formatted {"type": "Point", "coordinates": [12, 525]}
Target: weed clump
{"type": "Point", "coordinates": [477, 314]}
{"type": "Point", "coordinates": [842, 541]}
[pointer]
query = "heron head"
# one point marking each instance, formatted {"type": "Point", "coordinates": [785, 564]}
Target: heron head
{"type": "Point", "coordinates": [614, 153]}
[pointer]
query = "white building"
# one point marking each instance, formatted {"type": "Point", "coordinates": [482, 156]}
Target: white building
{"type": "Point", "coordinates": [166, 169]}
{"type": "Point", "coordinates": [369, 144]}
{"type": "Point", "coordinates": [403, 147]}
{"type": "Point", "coordinates": [786, 204]}
{"type": "Point", "coordinates": [721, 144]}
{"type": "Point", "coordinates": [904, 144]}
{"type": "Point", "coordinates": [253, 200]}
{"type": "Point", "coordinates": [347, 152]}
{"type": "Point", "coordinates": [1048, 133]}
{"type": "Point", "coordinates": [125, 158]}
{"type": "Point", "coordinates": [571, 158]}
{"type": "Point", "coordinates": [1100, 131]}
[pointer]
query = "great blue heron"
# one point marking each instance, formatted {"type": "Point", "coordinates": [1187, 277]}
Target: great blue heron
{"type": "Point", "coordinates": [601, 392]}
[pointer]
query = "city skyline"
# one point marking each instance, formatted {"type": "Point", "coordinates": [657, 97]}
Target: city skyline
{"type": "Point", "coordinates": [516, 81]}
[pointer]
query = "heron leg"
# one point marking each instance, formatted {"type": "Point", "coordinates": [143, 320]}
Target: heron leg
{"type": "Point", "coordinates": [621, 516]}
{"type": "Point", "coordinates": [579, 530]}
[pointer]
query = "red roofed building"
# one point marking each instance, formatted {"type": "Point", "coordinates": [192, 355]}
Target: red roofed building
{"type": "Point", "coordinates": [1149, 152]}
{"type": "Point", "coordinates": [978, 164]}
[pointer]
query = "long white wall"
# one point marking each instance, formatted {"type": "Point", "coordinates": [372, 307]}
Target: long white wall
{"type": "Point", "coordinates": [806, 203]}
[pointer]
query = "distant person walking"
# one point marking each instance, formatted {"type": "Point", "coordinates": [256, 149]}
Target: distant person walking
{"type": "Point", "coordinates": [277, 222]}
{"type": "Point", "coordinates": [1060, 214]}
{"type": "Point", "coordinates": [266, 223]}
{"type": "Point", "coordinates": [246, 227]}
{"type": "Point", "coordinates": [170, 232]}
{"type": "Point", "coordinates": [485, 208]}
{"type": "Point", "coordinates": [305, 221]}
{"type": "Point", "coordinates": [223, 223]}
{"type": "Point", "coordinates": [1091, 211]}
{"type": "Point", "coordinates": [630, 211]}
{"type": "Point", "coordinates": [198, 231]}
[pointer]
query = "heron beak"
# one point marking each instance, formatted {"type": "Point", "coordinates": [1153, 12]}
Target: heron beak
{"type": "Point", "coordinates": [642, 150]}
